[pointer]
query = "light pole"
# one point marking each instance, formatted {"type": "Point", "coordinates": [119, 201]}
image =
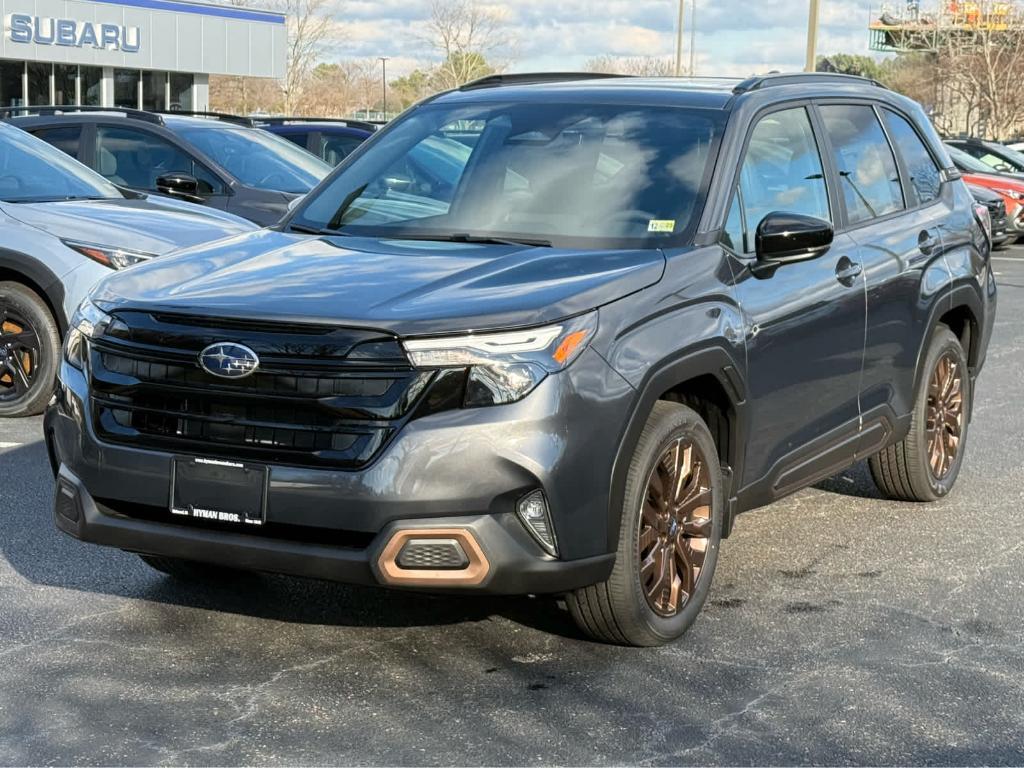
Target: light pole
{"type": "Point", "coordinates": [679, 38]}
{"type": "Point", "coordinates": [812, 38]}
{"type": "Point", "coordinates": [384, 83]}
{"type": "Point", "coordinates": [693, 37]}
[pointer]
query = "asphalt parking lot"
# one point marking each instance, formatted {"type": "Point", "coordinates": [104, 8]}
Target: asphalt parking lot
{"type": "Point", "coordinates": [841, 630]}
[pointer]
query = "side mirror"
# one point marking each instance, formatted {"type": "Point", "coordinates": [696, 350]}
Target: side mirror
{"type": "Point", "coordinates": [179, 185]}
{"type": "Point", "coordinates": [784, 238]}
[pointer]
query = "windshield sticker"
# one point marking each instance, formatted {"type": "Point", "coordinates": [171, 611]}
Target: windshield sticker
{"type": "Point", "coordinates": [661, 225]}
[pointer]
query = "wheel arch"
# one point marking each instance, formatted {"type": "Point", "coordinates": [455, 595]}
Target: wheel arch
{"type": "Point", "coordinates": [707, 380]}
{"type": "Point", "coordinates": [18, 268]}
{"type": "Point", "coordinates": [961, 310]}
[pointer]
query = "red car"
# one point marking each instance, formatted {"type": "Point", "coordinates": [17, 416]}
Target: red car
{"type": "Point", "coordinates": [1009, 186]}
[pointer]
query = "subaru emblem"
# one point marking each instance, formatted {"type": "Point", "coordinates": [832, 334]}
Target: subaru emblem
{"type": "Point", "coordinates": [229, 360]}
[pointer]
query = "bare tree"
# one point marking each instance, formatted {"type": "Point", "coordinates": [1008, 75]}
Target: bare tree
{"type": "Point", "coordinates": [982, 70]}
{"type": "Point", "coordinates": [467, 36]}
{"type": "Point", "coordinates": [638, 66]}
{"type": "Point", "coordinates": [312, 29]}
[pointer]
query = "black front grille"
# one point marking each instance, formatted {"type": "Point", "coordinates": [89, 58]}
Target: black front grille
{"type": "Point", "coordinates": [321, 396]}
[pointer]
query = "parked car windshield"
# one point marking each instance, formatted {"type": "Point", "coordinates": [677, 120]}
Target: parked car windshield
{"type": "Point", "coordinates": [966, 162]}
{"type": "Point", "coordinates": [258, 158]}
{"type": "Point", "coordinates": [32, 171]}
{"type": "Point", "coordinates": [570, 175]}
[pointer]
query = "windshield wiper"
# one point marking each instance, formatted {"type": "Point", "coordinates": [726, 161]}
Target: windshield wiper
{"type": "Point", "coordinates": [464, 237]}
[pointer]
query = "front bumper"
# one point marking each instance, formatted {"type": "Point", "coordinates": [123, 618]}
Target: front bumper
{"type": "Point", "coordinates": [461, 469]}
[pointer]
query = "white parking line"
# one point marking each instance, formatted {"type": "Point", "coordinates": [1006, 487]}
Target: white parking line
{"type": "Point", "coordinates": [9, 445]}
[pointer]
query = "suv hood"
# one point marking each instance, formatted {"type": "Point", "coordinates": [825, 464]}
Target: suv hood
{"type": "Point", "coordinates": [149, 225]}
{"type": "Point", "coordinates": [406, 287]}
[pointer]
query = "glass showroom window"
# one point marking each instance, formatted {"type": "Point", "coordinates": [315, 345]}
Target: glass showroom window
{"type": "Point", "coordinates": [64, 78]}
{"type": "Point", "coordinates": [39, 83]}
{"type": "Point", "coordinates": [92, 86]}
{"type": "Point", "coordinates": [154, 90]}
{"type": "Point", "coordinates": [181, 92]}
{"type": "Point", "coordinates": [126, 88]}
{"type": "Point", "coordinates": [10, 83]}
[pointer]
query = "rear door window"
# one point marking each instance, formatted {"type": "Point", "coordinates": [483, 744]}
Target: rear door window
{"type": "Point", "coordinates": [868, 177]}
{"type": "Point", "coordinates": [66, 138]}
{"type": "Point", "coordinates": [925, 178]}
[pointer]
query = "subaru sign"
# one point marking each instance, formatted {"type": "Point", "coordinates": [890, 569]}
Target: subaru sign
{"type": "Point", "coordinates": [44, 30]}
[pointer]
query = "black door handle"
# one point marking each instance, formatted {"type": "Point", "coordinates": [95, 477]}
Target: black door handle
{"type": "Point", "coordinates": [847, 271]}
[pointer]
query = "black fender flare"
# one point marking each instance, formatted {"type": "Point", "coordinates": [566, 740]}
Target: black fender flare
{"type": "Point", "coordinates": [713, 360]}
{"type": "Point", "coordinates": [953, 297]}
{"type": "Point", "coordinates": [40, 278]}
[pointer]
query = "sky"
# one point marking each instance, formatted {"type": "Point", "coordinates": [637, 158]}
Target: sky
{"type": "Point", "coordinates": [733, 37]}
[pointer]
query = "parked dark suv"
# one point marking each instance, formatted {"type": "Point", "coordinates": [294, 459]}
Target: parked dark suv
{"type": "Point", "coordinates": [217, 160]}
{"type": "Point", "coordinates": [643, 307]}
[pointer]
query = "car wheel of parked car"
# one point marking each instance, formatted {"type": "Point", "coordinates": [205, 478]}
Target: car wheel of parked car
{"type": "Point", "coordinates": [29, 351]}
{"type": "Point", "coordinates": [925, 464]}
{"type": "Point", "coordinates": [189, 570]}
{"type": "Point", "coordinates": [669, 538]}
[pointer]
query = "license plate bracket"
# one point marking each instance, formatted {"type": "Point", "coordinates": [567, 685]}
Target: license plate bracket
{"type": "Point", "coordinates": [219, 491]}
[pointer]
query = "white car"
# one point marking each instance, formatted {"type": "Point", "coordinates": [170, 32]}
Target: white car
{"type": "Point", "coordinates": [65, 227]}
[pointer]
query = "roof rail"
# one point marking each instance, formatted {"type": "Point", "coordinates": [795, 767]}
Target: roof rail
{"type": "Point", "coordinates": [796, 78]}
{"type": "Point", "coordinates": [362, 124]}
{"type": "Point", "coordinates": [531, 78]}
{"type": "Point", "coordinates": [247, 121]}
{"type": "Point", "coordinates": [49, 110]}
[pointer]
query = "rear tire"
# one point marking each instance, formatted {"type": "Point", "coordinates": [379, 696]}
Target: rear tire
{"type": "Point", "coordinates": [29, 351]}
{"type": "Point", "coordinates": [922, 466]}
{"type": "Point", "coordinates": [677, 532]}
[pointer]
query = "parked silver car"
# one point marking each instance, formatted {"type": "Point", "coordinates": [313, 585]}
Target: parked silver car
{"type": "Point", "coordinates": [64, 227]}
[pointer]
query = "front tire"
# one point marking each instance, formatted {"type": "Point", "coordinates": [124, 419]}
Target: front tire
{"type": "Point", "coordinates": [671, 529]}
{"type": "Point", "coordinates": [924, 465]}
{"type": "Point", "coordinates": [29, 351]}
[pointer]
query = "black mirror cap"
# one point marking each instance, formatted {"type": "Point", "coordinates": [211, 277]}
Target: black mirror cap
{"type": "Point", "coordinates": [785, 237]}
{"type": "Point", "coordinates": [181, 184]}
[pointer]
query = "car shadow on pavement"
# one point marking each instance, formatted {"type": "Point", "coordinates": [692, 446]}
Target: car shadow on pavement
{"type": "Point", "coordinates": [855, 481]}
{"type": "Point", "coordinates": [33, 547]}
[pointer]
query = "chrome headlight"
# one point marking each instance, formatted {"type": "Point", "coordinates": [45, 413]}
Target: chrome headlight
{"type": "Point", "coordinates": [115, 258]}
{"type": "Point", "coordinates": [505, 367]}
{"type": "Point", "coordinates": [89, 322]}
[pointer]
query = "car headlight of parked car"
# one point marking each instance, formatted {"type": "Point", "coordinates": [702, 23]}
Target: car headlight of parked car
{"type": "Point", "coordinates": [89, 322]}
{"type": "Point", "coordinates": [115, 258]}
{"type": "Point", "coordinates": [506, 366]}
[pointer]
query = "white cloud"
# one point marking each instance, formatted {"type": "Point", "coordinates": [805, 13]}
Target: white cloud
{"type": "Point", "coordinates": [733, 37]}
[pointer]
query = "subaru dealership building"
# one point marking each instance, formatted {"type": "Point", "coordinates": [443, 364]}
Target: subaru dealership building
{"type": "Point", "coordinates": [146, 54]}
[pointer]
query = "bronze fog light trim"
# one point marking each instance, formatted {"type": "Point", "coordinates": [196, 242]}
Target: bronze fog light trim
{"type": "Point", "coordinates": [472, 575]}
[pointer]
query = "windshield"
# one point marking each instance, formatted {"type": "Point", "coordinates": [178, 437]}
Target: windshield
{"type": "Point", "coordinates": [32, 171]}
{"type": "Point", "coordinates": [258, 158]}
{"type": "Point", "coordinates": [570, 175]}
{"type": "Point", "coordinates": [966, 162]}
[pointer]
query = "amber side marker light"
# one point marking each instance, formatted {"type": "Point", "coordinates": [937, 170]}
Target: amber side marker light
{"type": "Point", "coordinates": [568, 346]}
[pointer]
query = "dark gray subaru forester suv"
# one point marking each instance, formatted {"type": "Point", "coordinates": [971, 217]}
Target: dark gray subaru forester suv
{"type": "Point", "coordinates": [559, 352]}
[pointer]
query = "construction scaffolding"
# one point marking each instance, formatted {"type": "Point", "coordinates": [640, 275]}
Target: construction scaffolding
{"type": "Point", "coordinates": [907, 27]}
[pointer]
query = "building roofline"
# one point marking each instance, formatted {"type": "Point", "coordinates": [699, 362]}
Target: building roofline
{"type": "Point", "coordinates": [201, 9]}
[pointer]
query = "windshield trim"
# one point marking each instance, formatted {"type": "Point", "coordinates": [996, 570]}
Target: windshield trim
{"type": "Point", "coordinates": [719, 118]}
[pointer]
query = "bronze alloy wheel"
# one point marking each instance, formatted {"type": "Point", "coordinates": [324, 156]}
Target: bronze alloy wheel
{"type": "Point", "coordinates": [674, 528]}
{"type": "Point", "coordinates": [19, 353]}
{"type": "Point", "coordinates": [945, 415]}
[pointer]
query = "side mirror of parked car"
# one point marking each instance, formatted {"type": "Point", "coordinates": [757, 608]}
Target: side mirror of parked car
{"type": "Point", "coordinates": [180, 185]}
{"type": "Point", "coordinates": [783, 238]}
